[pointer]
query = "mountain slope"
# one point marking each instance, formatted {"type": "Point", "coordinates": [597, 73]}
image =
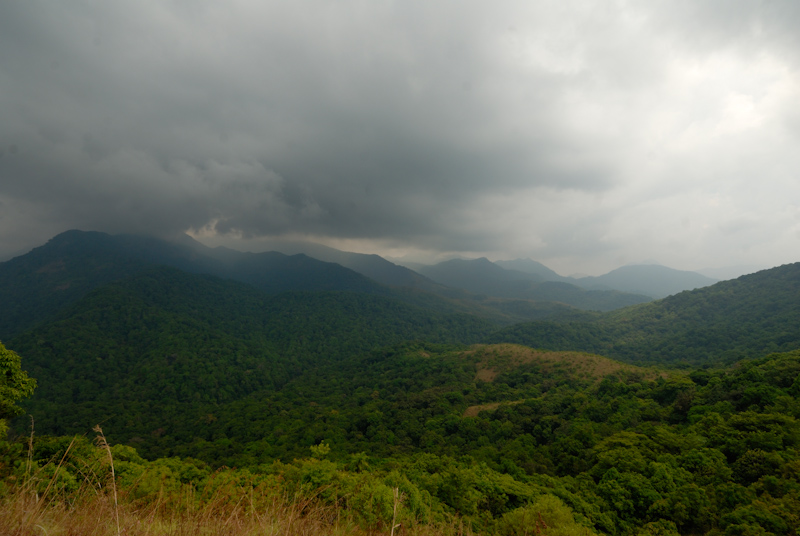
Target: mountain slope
{"type": "Point", "coordinates": [396, 399]}
{"type": "Point", "coordinates": [35, 286]}
{"type": "Point", "coordinates": [751, 315]}
{"type": "Point", "coordinates": [648, 279]}
{"type": "Point", "coordinates": [165, 345]}
{"type": "Point", "coordinates": [373, 266]}
{"type": "Point", "coordinates": [530, 266]}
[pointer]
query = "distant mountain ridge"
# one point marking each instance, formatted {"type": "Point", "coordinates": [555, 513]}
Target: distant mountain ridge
{"type": "Point", "coordinates": [529, 266]}
{"type": "Point", "coordinates": [649, 279]}
{"type": "Point", "coordinates": [752, 315]}
{"type": "Point", "coordinates": [482, 276]}
{"type": "Point", "coordinates": [35, 285]}
{"type": "Point", "coordinates": [653, 280]}
{"type": "Point", "coordinates": [373, 266]}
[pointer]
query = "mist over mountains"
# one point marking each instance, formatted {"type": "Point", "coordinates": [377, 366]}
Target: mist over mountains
{"type": "Point", "coordinates": [73, 263]}
{"type": "Point", "coordinates": [48, 274]}
{"type": "Point", "coordinates": [525, 277]}
{"type": "Point", "coordinates": [482, 276]}
{"type": "Point", "coordinates": [652, 280]}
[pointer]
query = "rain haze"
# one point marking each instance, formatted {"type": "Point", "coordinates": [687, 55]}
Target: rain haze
{"type": "Point", "coordinates": [584, 135]}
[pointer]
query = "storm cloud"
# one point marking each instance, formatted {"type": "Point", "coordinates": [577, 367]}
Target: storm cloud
{"type": "Point", "coordinates": [582, 134]}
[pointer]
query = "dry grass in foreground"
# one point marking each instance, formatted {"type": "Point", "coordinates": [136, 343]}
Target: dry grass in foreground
{"type": "Point", "coordinates": [86, 500]}
{"type": "Point", "coordinates": [22, 514]}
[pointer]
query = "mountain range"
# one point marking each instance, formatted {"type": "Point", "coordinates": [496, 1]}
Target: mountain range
{"type": "Point", "coordinates": [96, 312]}
{"type": "Point", "coordinates": [442, 385]}
{"type": "Point", "coordinates": [74, 262]}
{"type": "Point", "coordinates": [649, 279]}
{"type": "Point", "coordinates": [525, 278]}
{"type": "Point", "coordinates": [752, 315]}
{"type": "Point", "coordinates": [36, 285]}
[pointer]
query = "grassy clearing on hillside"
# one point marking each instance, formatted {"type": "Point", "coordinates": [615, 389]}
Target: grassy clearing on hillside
{"type": "Point", "coordinates": [494, 359]}
{"type": "Point", "coordinates": [473, 411]}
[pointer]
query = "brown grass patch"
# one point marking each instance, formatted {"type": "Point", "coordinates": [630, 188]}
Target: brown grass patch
{"type": "Point", "coordinates": [495, 359]}
{"type": "Point", "coordinates": [95, 513]}
{"type": "Point", "coordinates": [25, 515]}
{"type": "Point", "coordinates": [55, 266]}
{"type": "Point", "coordinates": [473, 411]}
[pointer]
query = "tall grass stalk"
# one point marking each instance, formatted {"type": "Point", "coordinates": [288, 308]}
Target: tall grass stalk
{"type": "Point", "coordinates": [102, 443]}
{"type": "Point", "coordinates": [29, 462]}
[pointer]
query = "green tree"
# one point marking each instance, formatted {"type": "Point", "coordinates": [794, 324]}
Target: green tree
{"type": "Point", "coordinates": [14, 384]}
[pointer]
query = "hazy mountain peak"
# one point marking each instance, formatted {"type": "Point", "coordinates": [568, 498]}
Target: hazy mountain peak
{"type": "Point", "coordinates": [646, 262]}
{"type": "Point", "coordinates": [530, 266]}
{"type": "Point", "coordinates": [652, 280]}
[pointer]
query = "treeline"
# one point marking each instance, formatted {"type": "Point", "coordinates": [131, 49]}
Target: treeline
{"type": "Point", "coordinates": [164, 347]}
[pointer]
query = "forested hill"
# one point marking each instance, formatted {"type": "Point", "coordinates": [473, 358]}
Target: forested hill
{"type": "Point", "coordinates": [482, 431]}
{"type": "Point", "coordinates": [752, 315]}
{"type": "Point", "coordinates": [164, 342]}
{"type": "Point", "coordinates": [174, 363]}
{"type": "Point", "coordinates": [35, 286]}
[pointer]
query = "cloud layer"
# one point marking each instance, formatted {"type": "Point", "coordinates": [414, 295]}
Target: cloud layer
{"type": "Point", "coordinates": [582, 134]}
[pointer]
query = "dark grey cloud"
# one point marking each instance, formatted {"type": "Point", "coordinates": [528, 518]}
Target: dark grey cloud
{"type": "Point", "coordinates": [515, 129]}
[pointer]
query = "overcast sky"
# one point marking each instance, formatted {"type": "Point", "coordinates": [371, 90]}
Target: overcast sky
{"type": "Point", "coordinates": [584, 135]}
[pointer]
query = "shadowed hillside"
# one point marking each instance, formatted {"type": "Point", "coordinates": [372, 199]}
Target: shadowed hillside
{"type": "Point", "coordinates": [37, 285]}
{"type": "Point", "coordinates": [164, 345]}
{"type": "Point", "coordinates": [754, 314]}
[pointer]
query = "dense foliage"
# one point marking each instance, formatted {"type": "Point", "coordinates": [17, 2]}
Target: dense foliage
{"type": "Point", "coordinates": [713, 449]}
{"type": "Point", "coordinates": [164, 349]}
{"type": "Point", "coordinates": [14, 384]}
{"type": "Point", "coordinates": [624, 450]}
{"type": "Point", "coordinates": [65, 485]}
